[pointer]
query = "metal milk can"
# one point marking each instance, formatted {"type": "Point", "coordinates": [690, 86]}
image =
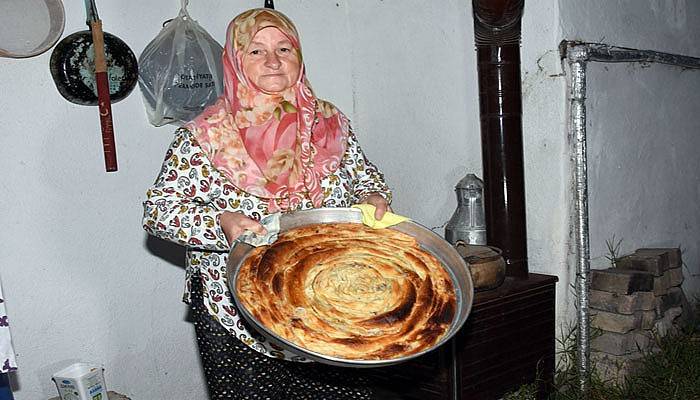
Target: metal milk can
{"type": "Point", "coordinates": [468, 223]}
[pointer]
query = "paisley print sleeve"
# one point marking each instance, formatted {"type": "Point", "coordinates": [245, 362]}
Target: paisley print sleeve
{"type": "Point", "coordinates": [181, 206]}
{"type": "Point", "coordinates": [366, 176]}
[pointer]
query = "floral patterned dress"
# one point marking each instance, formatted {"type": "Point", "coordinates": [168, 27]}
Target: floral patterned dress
{"type": "Point", "coordinates": [184, 204]}
{"type": "Point", "coordinates": [7, 353]}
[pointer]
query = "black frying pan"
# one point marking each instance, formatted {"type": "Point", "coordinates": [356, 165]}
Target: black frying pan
{"type": "Point", "coordinates": [95, 68]}
{"type": "Point", "coordinates": [73, 68]}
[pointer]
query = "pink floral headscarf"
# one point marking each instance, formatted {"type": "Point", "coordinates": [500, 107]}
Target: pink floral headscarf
{"type": "Point", "coordinates": [274, 146]}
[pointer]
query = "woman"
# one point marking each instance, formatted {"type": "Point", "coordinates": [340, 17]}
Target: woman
{"type": "Point", "coordinates": [267, 145]}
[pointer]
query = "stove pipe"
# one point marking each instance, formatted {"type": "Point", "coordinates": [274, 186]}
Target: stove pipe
{"type": "Point", "coordinates": [497, 38]}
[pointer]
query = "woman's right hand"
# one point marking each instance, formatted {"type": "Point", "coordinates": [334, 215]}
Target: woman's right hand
{"type": "Point", "coordinates": [234, 223]}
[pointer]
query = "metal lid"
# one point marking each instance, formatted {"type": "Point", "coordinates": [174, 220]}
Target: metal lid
{"type": "Point", "coordinates": [470, 181]}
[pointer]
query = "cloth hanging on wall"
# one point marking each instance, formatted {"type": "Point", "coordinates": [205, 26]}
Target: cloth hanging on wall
{"type": "Point", "coordinates": [7, 353]}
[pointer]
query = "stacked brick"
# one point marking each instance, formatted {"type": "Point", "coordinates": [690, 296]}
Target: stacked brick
{"type": "Point", "coordinates": [638, 300]}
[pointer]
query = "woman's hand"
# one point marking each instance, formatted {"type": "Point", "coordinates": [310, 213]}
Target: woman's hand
{"type": "Point", "coordinates": [234, 223]}
{"type": "Point", "coordinates": [379, 202]}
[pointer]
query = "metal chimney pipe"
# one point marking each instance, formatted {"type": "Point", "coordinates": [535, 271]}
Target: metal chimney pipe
{"type": "Point", "coordinates": [497, 38]}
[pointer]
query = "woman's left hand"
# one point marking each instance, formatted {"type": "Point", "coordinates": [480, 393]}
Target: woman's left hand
{"type": "Point", "coordinates": [379, 202]}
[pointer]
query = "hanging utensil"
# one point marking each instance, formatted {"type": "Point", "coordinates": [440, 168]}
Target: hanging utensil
{"type": "Point", "coordinates": [29, 27]}
{"type": "Point", "coordinates": [93, 67]}
{"type": "Point", "coordinates": [72, 68]}
{"type": "Point", "coordinates": [103, 101]}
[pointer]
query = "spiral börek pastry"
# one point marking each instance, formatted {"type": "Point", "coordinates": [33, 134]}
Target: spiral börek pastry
{"type": "Point", "coordinates": [347, 291]}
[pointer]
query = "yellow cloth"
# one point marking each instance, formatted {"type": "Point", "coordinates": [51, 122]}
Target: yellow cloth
{"type": "Point", "coordinates": [387, 220]}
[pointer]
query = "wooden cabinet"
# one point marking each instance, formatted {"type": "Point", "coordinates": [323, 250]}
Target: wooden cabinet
{"type": "Point", "coordinates": [507, 341]}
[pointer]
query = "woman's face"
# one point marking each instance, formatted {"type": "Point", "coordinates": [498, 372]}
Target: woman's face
{"type": "Point", "coordinates": [270, 62]}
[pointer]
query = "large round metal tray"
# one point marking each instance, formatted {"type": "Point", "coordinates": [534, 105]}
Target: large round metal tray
{"type": "Point", "coordinates": [428, 240]}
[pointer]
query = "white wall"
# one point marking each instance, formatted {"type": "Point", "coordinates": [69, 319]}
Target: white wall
{"type": "Point", "coordinates": [83, 281]}
{"type": "Point", "coordinates": [643, 129]}
{"type": "Point", "coordinates": [416, 100]}
{"type": "Point", "coordinates": [546, 150]}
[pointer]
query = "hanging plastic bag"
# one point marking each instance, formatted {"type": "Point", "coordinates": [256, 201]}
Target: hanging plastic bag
{"type": "Point", "coordinates": [180, 71]}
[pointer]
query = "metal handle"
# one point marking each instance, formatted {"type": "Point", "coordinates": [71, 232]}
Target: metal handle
{"type": "Point", "coordinates": [91, 12]}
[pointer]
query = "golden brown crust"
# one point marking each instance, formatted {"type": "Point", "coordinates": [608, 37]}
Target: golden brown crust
{"type": "Point", "coordinates": [348, 291]}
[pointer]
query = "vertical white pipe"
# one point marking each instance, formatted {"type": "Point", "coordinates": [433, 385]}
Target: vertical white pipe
{"type": "Point", "coordinates": [577, 57]}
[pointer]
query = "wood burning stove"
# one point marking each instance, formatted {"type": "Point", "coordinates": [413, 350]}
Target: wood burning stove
{"type": "Point", "coordinates": [509, 337]}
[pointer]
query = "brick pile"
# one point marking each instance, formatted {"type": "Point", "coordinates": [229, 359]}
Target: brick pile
{"type": "Point", "coordinates": [638, 300]}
